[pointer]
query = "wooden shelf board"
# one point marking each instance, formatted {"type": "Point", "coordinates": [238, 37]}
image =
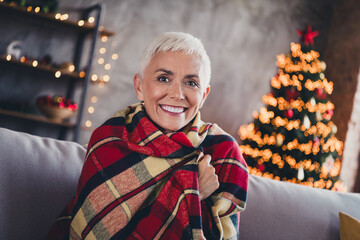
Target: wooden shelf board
{"type": "Point", "coordinates": [37, 118]}
{"type": "Point", "coordinates": [87, 27]}
{"type": "Point", "coordinates": [43, 68]}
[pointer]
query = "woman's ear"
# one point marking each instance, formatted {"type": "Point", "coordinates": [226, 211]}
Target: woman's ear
{"type": "Point", "coordinates": [138, 85]}
{"type": "Point", "coordinates": [205, 94]}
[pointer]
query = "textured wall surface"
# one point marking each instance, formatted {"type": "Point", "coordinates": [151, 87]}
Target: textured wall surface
{"type": "Point", "coordinates": [342, 56]}
{"type": "Point", "coordinates": [242, 38]}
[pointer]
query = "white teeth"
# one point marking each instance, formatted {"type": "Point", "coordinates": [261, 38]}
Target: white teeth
{"type": "Point", "coordinates": [173, 109]}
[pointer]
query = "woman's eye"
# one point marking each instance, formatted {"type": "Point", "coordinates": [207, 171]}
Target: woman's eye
{"type": "Point", "coordinates": [192, 83]}
{"type": "Point", "coordinates": [163, 79]}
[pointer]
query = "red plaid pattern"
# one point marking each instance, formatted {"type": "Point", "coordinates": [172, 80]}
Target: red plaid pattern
{"type": "Point", "coordinates": [138, 183]}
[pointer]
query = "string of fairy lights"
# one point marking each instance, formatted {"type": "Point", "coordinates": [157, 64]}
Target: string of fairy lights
{"type": "Point", "coordinates": [305, 62]}
{"type": "Point", "coordinates": [104, 66]}
{"type": "Point", "coordinates": [100, 80]}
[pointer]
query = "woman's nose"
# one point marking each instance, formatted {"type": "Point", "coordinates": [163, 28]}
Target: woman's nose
{"type": "Point", "coordinates": [176, 91]}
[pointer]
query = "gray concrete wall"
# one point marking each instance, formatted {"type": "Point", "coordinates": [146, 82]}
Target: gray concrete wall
{"type": "Point", "coordinates": [242, 38]}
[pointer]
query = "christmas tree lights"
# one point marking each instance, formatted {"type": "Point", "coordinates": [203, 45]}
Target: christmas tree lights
{"type": "Point", "coordinates": [293, 138]}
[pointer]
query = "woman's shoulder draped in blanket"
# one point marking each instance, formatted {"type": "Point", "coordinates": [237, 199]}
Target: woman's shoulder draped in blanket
{"type": "Point", "coordinates": [139, 183]}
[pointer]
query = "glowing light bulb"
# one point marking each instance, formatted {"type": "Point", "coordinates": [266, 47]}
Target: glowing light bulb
{"type": "Point", "coordinates": [115, 56]}
{"type": "Point", "coordinates": [91, 20]}
{"type": "Point", "coordinates": [88, 123]}
{"type": "Point", "coordinates": [102, 50]}
{"type": "Point", "coordinates": [57, 74]}
{"type": "Point", "coordinates": [37, 9]}
{"type": "Point", "coordinates": [81, 23]}
{"type": "Point", "coordinates": [64, 16]}
{"type": "Point", "coordinates": [106, 78]}
{"type": "Point", "coordinates": [71, 68]}
{"type": "Point", "coordinates": [104, 39]}
{"type": "Point", "coordinates": [34, 63]}
{"type": "Point", "coordinates": [94, 77]}
{"type": "Point", "coordinates": [58, 16]}
{"type": "Point", "coordinates": [82, 74]}
{"type": "Point", "coordinates": [101, 61]}
{"type": "Point", "coordinates": [107, 66]}
{"type": "Point", "coordinates": [94, 99]}
{"type": "Point", "coordinates": [91, 109]}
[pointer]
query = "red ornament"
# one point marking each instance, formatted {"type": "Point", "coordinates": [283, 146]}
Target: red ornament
{"type": "Point", "coordinates": [328, 114]}
{"type": "Point", "coordinates": [308, 35]}
{"type": "Point", "coordinates": [289, 113]}
{"type": "Point", "coordinates": [316, 141]}
{"type": "Point", "coordinates": [261, 167]}
{"type": "Point", "coordinates": [320, 94]}
{"type": "Point", "coordinates": [291, 94]}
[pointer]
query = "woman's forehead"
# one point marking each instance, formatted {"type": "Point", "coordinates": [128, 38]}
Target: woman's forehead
{"type": "Point", "coordinates": [175, 61]}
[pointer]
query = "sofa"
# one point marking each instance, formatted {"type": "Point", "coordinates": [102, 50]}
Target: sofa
{"type": "Point", "coordinates": [39, 176]}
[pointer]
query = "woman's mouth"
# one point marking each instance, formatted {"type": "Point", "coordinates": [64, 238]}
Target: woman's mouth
{"type": "Point", "coordinates": [173, 109]}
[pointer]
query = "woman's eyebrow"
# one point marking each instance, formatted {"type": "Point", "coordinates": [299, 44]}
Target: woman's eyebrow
{"type": "Point", "coordinates": [192, 76]}
{"type": "Point", "coordinates": [171, 73]}
{"type": "Point", "coordinates": [165, 71]}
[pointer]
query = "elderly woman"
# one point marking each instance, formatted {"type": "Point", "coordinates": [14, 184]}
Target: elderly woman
{"type": "Point", "coordinates": [155, 170]}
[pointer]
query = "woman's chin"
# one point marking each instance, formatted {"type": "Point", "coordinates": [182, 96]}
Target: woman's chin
{"type": "Point", "coordinates": [169, 129]}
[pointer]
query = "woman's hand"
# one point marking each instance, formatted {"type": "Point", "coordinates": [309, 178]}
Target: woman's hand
{"type": "Point", "coordinates": [208, 180]}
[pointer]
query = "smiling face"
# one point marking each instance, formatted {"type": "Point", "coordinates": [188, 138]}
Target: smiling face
{"type": "Point", "coordinates": [172, 88]}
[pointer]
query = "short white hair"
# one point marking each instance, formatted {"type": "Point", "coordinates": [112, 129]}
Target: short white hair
{"type": "Point", "coordinates": [174, 42]}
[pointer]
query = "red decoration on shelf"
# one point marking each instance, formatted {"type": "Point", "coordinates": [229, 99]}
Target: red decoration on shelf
{"type": "Point", "coordinates": [291, 94]}
{"type": "Point", "coordinates": [308, 35]}
{"type": "Point", "coordinates": [289, 113]}
{"type": "Point", "coordinates": [57, 101]}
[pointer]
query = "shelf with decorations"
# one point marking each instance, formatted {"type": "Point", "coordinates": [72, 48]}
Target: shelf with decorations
{"type": "Point", "coordinates": [75, 73]}
{"type": "Point", "coordinates": [37, 118]}
{"type": "Point", "coordinates": [66, 71]}
{"type": "Point", "coordinates": [33, 12]}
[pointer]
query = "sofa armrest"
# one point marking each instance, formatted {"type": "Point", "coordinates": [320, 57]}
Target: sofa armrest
{"type": "Point", "coordinates": [38, 177]}
{"type": "Point", "coordinates": [281, 210]}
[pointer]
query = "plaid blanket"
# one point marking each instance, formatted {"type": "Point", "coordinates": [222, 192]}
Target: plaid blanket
{"type": "Point", "coordinates": [139, 183]}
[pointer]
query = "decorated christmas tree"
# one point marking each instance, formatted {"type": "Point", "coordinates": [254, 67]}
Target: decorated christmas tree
{"type": "Point", "coordinates": [293, 138]}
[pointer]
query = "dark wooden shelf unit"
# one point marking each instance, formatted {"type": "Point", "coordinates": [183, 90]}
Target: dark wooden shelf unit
{"type": "Point", "coordinates": [87, 32]}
